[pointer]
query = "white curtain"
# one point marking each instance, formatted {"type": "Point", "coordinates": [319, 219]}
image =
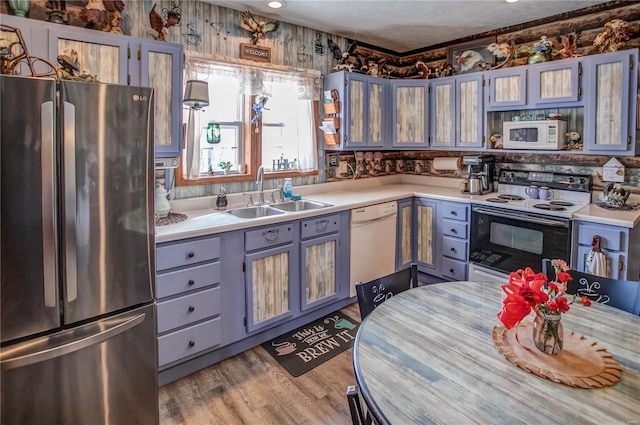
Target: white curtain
{"type": "Point", "coordinates": [306, 131]}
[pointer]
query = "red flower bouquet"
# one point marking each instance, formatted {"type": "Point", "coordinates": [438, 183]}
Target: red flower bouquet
{"type": "Point", "coordinates": [526, 291]}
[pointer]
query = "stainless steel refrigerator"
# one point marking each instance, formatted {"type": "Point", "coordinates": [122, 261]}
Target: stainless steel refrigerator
{"type": "Point", "coordinates": [77, 329]}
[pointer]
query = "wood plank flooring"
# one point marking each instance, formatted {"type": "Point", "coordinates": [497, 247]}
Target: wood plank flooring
{"type": "Point", "coordinates": [252, 388]}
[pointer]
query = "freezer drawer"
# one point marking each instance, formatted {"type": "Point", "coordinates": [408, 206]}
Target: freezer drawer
{"type": "Point", "coordinates": [99, 373]}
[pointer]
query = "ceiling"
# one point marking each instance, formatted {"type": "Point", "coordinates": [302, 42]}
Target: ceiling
{"type": "Point", "coordinates": [402, 26]}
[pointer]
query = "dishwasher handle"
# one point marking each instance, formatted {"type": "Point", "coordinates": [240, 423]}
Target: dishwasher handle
{"type": "Point", "coordinates": [373, 220]}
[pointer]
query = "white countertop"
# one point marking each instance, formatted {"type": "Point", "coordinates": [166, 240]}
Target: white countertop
{"type": "Point", "coordinates": [203, 219]}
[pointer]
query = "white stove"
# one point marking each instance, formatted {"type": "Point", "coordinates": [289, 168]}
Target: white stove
{"type": "Point", "coordinates": [570, 193]}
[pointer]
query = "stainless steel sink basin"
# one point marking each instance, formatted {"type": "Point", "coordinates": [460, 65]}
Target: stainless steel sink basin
{"type": "Point", "coordinates": [301, 205]}
{"type": "Point", "coordinates": [255, 212]}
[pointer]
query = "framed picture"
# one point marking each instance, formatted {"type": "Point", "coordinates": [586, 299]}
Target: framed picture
{"type": "Point", "coordinates": [472, 56]}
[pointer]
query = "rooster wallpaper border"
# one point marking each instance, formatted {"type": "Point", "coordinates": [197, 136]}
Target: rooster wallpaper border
{"type": "Point", "coordinates": [477, 47]}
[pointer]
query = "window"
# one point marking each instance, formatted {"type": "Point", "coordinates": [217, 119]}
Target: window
{"type": "Point", "coordinates": [282, 138]}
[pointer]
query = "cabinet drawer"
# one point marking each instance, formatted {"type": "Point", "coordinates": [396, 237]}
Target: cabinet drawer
{"type": "Point", "coordinates": [188, 309]}
{"type": "Point", "coordinates": [197, 277]}
{"type": "Point", "coordinates": [610, 237]}
{"type": "Point", "coordinates": [185, 253]}
{"type": "Point", "coordinates": [188, 341]}
{"type": "Point", "coordinates": [454, 248]}
{"type": "Point", "coordinates": [268, 237]}
{"type": "Point", "coordinates": [454, 269]}
{"type": "Point", "coordinates": [457, 229]}
{"type": "Point", "coordinates": [455, 211]}
{"type": "Point", "coordinates": [320, 226]}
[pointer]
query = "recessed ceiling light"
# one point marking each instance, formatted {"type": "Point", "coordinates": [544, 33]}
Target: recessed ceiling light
{"type": "Point", "coordinates": [511, 1]}
{"type": "Point", "coordinates": [276, 4]}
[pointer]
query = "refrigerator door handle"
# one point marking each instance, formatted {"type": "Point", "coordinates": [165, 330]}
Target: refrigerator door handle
{"type": "Point", "coordinates": [47, 159]}
{"type": "Point", "coordinates": [23, 354]}
{"type": "Point", "coordinates": [69, 132]}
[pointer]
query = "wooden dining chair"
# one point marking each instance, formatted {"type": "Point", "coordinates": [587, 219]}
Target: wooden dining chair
{"type": "Point", "coordinates": [622, 294]}
{"type": "Point", "coordinates": [358, 415]}
{"type": "Point", "coordinates": [372, 294]}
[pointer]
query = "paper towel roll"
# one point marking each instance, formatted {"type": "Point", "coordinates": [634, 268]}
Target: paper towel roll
{"type": "Point", "coordinates": [447, 164]}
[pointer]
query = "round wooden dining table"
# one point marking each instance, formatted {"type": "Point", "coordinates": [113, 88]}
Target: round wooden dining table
{"type": "Point", "coordinates": [426, 356]}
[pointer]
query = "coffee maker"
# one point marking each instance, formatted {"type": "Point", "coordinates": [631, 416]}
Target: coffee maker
{"type": "Point", "coordinates": [480, 170]}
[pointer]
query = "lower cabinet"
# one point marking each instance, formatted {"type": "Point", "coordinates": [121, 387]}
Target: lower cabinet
{"type": "Point", "coordinates": [453, 234]}
{"type": "Point", "coordinates": [188, 298]}
{"type": "Point", "coordinates": [620, 246]}
{"type": "Point", "coordinates": [416, 230]}
{"type": "Point", "coordinates": [405, 230]}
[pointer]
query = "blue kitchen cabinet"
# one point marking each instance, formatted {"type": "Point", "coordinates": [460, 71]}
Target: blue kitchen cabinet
{"type": "Point", "coordinates": [324, 265]}
{"type": "Point", "coordinates": [453, 237]}
{"type": "Point", "coordinates": [556, 84]}
{"type": "Point", "coordinates": [457, 112]}
{"type": "Point", "coordinates": [611, 125]}
{"type": "Point", "coordinates": [362, 112]}
{"type": "Point", "coordinates": [410, 114]}
{"type": "Point", "coordinates": [506, 89]}
{"type": "Point", "coordinates": [405, 242]}
{"type": "Point", "coordinates": [426, 244]}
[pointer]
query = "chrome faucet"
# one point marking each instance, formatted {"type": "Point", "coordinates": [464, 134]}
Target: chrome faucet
{"type": "Point", "coordinates": [260, 184]}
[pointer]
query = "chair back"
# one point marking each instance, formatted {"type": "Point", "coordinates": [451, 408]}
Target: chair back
{"type": "Point", "coordinates": [372, 294]}
{"type": "Point", "coordinates": [622, 294]}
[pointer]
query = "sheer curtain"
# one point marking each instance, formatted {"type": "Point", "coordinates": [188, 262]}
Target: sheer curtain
{"type": "Point", "coordinates": [254, 79]}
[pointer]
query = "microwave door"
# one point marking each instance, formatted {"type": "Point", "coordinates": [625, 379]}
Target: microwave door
{"type": "Point", "coordinates": [27, 211]}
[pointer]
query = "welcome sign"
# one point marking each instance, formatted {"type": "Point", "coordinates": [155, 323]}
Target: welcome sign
{"type": "Point", "coordinates": [309, 346]}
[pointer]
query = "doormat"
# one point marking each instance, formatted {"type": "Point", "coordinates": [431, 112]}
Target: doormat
{"type": "Point", "coordinates": [310, 345]}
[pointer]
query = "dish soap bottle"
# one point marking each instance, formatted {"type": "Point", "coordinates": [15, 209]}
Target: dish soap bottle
{"type": "Point", "coordinates": [221, 202]}
{"type": "Point", "coordinates": [287, 189]}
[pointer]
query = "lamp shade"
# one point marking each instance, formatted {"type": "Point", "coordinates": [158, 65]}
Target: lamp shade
{"type": "Point", "coordinates": [196, 94]}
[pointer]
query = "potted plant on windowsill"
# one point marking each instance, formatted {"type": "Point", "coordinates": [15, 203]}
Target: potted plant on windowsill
{"type": "Point", "coordinates": [225, 165]}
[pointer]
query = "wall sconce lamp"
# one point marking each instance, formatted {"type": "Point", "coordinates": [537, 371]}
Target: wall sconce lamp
{"type": "Point", "coordinates": [196, 94]}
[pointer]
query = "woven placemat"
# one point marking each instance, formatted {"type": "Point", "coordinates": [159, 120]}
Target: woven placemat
{"type": "Point", "coordinates": [172, 218]}
{"type": "Point", "coordinates": [582, 362]}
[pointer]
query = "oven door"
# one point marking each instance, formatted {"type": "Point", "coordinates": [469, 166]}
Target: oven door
{"type": "Point", "coordinates": [507, 240]}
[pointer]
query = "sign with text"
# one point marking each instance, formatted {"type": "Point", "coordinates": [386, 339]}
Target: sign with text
{"type": "Point", "coordinates": [308, 346]}
{"type": "Point", "coordinates": [255, 53]}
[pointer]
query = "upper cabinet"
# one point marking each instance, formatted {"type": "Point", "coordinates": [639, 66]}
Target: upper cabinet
{"type": "Point", "coordinates": [547, 85]}
{"type": "Point", "coordinates": [117, 59]}
{"type": "Point", "coordinates": [362, 113]}
{"type": "Point", "coordinates": [610, 115]}
{"type": "Point", "coordinates": [410, 114]}
{"type": "Point", "coordinates": [457, 112]}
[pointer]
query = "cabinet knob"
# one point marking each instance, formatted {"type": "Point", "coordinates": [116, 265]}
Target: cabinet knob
{"type": "Point", "coordinates": [453, 249]}
{"type": "Point", "coordinates": [454, 213]}
{"type": "Point", "coordinates": [450, 270]}
{"type": "Point", "coordinates": [454, 231]}
{"type": "Point", "coordinates": [192, 343]}
{"type": "Point", "coordinates": [191, 309]}
{"type": "Point", "coordinates": [191, 255]}
{"type": "Point", "coordinates": [192, 282]}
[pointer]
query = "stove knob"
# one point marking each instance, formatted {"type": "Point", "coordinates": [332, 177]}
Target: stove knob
{"type": "Point", "coordinates": [571, 180]}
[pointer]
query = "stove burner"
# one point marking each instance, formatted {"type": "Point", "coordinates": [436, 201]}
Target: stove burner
{"type": "Point", "coordinates": [509, 197]}
{"type": "Point", "coordinates": [497, 200]}
{"type": "Point", "coordinates": [549, 207]}
{"type": "Point", "coordinates": [562, 203]}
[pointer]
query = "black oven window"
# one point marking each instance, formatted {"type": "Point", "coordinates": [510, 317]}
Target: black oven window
{"type": "Point", "coordinates": [515, 237]}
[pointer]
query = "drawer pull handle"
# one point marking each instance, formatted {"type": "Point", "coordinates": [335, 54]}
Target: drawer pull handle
{"type": "Point", "coordinates": [454, 213]}
{"type": "Point", "coordinates": [453, 249]}
{"type": "Point", "coordinates": [191, 309]}
{"type": "Point", "coordinates": [192, 343]}
{"type": "Point", "coordinates": [192, 282]}
{"type": "Point", "coordinates": [454, 231]}
{"type": "Point", "coordinates": [191, 255]}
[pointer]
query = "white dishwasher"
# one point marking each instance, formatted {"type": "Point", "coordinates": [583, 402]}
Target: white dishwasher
{"type": "Point", "coordinates": [373, 242]}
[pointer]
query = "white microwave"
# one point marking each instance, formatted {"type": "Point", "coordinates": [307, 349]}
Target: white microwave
{"type": "Point", "coordinates": [544, 134]}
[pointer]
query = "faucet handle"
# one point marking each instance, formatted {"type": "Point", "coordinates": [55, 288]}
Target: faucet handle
{"type": "Point", "coordinates": [250, 195]}
{"type": "Point", "coordinates": [273, 196]}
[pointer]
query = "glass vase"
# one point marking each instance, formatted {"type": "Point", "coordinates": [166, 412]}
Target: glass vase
{"type": "Point", "coordinates": [548, 333]}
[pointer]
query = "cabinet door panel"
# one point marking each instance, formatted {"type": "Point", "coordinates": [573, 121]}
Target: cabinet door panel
{"type": "Point", "coordinates": [443, 131]}
{"type": "Point", "coordinates": [405, 235]}
{"type": "Point", "coordinates": [410, 114]}
{"type": "Point", "coordinates": [99, 54]}
{"type": "Point", "coordinates": [356, 113]}
{"type": "Point", "coordinates": [319, 262]}
{"type": "Point", "coordinates": [426, 214]}
{"type": "Point", "coordinates": [507, 88]}
{"type": "Point", "coordinates": [376, 118]}
{"type": "Point", "coordinates": [469, 108]}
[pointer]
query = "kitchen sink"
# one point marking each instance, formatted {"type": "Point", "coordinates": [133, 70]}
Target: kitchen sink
{"type": "Point", "coordinates": [301, 205]}
{"type": "Point", "coordinates": [255, 211]}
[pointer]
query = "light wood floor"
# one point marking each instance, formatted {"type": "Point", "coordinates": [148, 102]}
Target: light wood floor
{"type": "Point", "coordinates": [252, 388]}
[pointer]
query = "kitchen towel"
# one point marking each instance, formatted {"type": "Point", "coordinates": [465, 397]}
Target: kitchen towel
{"type": "Point", "coordinates": [447, 164]}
